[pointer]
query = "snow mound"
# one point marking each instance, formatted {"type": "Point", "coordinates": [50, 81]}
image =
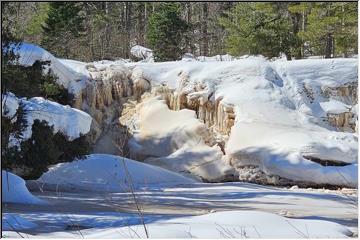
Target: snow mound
{"type": "Point", "coordinates": [14, 190]}
{"type": "Point", "coordinates": [103, 172]}
{"type": "Point", "coordinates": [72, 80]}
{"type": "Point", "coordinates": [69, 121]}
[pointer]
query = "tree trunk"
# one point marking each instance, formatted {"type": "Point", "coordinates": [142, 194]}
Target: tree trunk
{"type": "Point", "coordinates": [204, 32]}
{"type": "Point", "coordinates": [328, 45]}
{"type": "Point", "coordinates": [128, 28]}
{"type": "Point", "coordinates": [296, 20]}
{"type": "Point", "coordinates": [89, 30]}
{"type": "Point", "coordinates": [145, 23]}
{"type": "Point", "coordinates": [107, 26]}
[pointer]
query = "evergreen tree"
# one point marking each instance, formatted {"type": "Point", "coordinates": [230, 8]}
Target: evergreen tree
{"type": "Point", "coordinates": [331, 28]}
{"type": "Point", "coordinates": [31, 81]}
{"type": "Point", "coordinates": [165, 32]}
{"type": "Point", "coordinates": [42, 150]}
{"type": "Point", "coordinates": [10, 44]}
{"type": "Point", "coordinates": [259, 28]}
{"type": "Point", "coordinates": [63, 27]}
{"type": "Point", "coordinates": [11, 128]}
{"type": "Point", "coordinates": [34, 29]}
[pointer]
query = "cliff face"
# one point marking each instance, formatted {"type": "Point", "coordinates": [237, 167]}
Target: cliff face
{"type": "Point", "coordinates": [108, 88]}
{"type": "Point", "coordinates": [237, 105]}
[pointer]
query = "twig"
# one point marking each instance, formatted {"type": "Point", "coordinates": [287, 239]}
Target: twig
{"type": "Point", "coordinates": [132, 189]}
{"type": "Point", "coordinates": [296, 229]}
{"type": "Point", "coordinates": [13, 228]}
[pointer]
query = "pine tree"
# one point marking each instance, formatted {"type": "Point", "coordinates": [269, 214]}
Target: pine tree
{"type": "Point", "coordinates": [165, 32]}
{"type": "Point", "coordinates": [63, 28]}
{"type": "Point", "coordinates": [331, 28]}
{"type": "Point", "coordinates": [10, 44]}
{"type": "Point", "coordinates": [34, 29]}
{"type": "Point", "coordinates": [259, 28]}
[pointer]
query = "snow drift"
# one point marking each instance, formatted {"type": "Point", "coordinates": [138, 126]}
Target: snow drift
{"type": "Point", "coordinates": [13, 190]}
{"type": "Point", "coordinates": [103, 172]}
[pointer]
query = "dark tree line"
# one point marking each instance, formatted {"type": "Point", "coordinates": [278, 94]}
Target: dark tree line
{"type": "Point", "coordinates": [107, 30]}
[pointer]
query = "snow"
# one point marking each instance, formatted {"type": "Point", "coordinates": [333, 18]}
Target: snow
{"type": "Point", "coordinates": [142, 52]}
{"type": "Point", "coordinates": [237, 224]}
{"type": "Point", "coordinates": [334, 107]}
{"type": "Point", "coordinates": [14, 190]}
{"type": "Point", "coordinates": [280, 112]}
{"type": "Point", "coordinates": [103, 172]}
{"type": "Point", "coordinates": [13, 222]}
{"type": "Point", "coordinates": [74, 81]}
{"type": "Point", "coordinates": [227, 224]}
{"type": "Point", "coordinates": [175, 140]}
{"type": "Point", "coordinates": [69, 121]}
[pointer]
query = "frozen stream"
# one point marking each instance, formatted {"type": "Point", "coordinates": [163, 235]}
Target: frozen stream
{"type": "Point", "coordinates": [82, 210]}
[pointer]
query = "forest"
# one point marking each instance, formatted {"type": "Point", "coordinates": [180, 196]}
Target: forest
{"type": "Point", "coordinates": [91, 31]}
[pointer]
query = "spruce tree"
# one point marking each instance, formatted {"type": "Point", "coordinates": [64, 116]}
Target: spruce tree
{"type": "Point", "coordinates": [259, 28]}
{"type": "Point", "coordinates": [165, 32]}
{"type": "Point", "coordinates": [63, 27]}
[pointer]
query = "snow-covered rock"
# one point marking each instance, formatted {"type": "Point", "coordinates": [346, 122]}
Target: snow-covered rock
{"type": "Point", "coordinates": [142, 52]}
{"type": "Point", "coordinates": [13, 190]}
{"type": "Point", "coordinates": [69, 121]}
{"type": "Point", "coordinates": [74, 81]}
{"type": "Point", "coordinates": [103, 172]}
{"type": "Point", "coordinates": [276, 115]}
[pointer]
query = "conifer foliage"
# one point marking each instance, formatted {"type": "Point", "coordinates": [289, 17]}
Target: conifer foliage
{"type": "Point", "coordinates": [63, 26]}
{"type": "Point", "coordinates": [165, 33]}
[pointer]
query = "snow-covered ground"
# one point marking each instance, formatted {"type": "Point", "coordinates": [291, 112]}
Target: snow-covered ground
{"type": "Point", "coordinates": [228, 224]}
{"type": "Point", "coordinates": [83, 204]}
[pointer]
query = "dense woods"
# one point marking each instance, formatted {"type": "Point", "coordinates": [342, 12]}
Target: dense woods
{"type": "Point", "coordinates": [107, 30]}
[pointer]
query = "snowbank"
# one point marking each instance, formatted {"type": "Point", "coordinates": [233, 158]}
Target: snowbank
{"type": "Point", "coordinates": [15, 191]}
{"type": "Point", "coordinates": [70, 121]}
{"type": "Point", "coordinates": [102, 172]}
{"type": "Point", "coordinates": [70, 79]}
